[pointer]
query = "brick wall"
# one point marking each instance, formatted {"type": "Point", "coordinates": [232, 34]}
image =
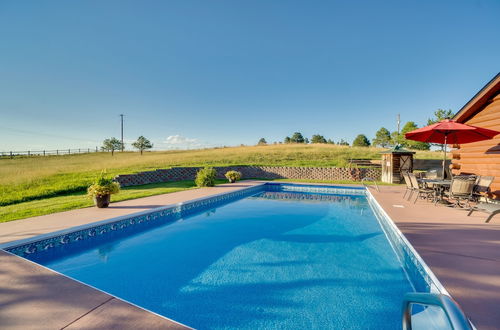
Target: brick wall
{"type": "Point", "coordinates": [248, 172]}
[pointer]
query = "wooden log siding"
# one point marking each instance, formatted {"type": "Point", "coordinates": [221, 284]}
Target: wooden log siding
{"type": "Point", "coordinates": [482, 158]}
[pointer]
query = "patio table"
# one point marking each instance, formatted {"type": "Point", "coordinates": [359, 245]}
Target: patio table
{"type": "Point", "coordinates": [439, 187]}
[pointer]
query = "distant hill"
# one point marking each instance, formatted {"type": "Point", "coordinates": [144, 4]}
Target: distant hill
{"type": "Point", "coordinates": [25, 179]}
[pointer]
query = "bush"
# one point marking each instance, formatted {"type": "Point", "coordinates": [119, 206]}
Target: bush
{"type": "Point", "coordinates": [205, 177]}
{"type": "Point", "coordinates": [361, 141]}
{"type": "Point", "coordinates": [233, 176]}
{"type": "Point", "coordinates": [103, 185]}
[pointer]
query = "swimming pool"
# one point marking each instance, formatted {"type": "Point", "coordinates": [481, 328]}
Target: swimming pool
{"type": "Point", "coordinates": [272, 256]}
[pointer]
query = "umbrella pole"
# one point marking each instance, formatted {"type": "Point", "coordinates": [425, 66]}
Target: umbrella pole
{"type": "Point", "coordinates": [444, 156]}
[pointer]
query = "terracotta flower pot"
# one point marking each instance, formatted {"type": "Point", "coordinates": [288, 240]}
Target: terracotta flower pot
{"type": "Point", "coordinates": [102, 201]}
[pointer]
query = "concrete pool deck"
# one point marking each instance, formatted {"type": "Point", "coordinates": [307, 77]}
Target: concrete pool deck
{"type": "Point", "coordinates": [462, 251]}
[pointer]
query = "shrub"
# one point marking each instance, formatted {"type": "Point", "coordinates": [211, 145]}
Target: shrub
{"type": "Point", "coordinates": [205, 177]}
{"type": "Point", "coordinates": [233, 176]}
{"type": "Point", "coordinates": [103, 185]}
{"type": "Point", "coordinates": [262, 142]}
{"type": "Point", "coordinates": [361, 141]}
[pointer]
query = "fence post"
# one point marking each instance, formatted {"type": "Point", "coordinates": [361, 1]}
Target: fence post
{"type": "Point", "coordinates": [96, 149]}
{"type": "Point", "coordinates": [78, 150]}
{"type": "Point", "coordinates": [44, 152]}
{"type": "Point", "coordinates": [11, 155]}
{"type": "Point", "coordinates": [88, 150]}
{"type": "Point", "coordinates": [29, 154]}
{"type": "Point", "coordinates": [69, 151]}
{"type": "Point", "coordinates": [57, 152]}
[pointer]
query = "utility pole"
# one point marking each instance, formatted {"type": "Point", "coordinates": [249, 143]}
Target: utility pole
{"type": "Point", "coordinates": [399, 122]}
{"type": "Point", "coordinates": [121, 115]}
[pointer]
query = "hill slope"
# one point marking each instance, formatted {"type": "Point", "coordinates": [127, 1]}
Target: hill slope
{"type": "Point", "coordinates": [25, 179]}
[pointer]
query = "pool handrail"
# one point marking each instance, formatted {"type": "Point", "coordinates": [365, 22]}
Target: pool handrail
{"type": "Point", "coordinates": [370, 179]}
{"type": "Point", "coordinates": [455, 315]}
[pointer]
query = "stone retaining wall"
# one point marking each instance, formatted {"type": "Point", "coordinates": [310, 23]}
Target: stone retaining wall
{"type": "Point", "coordinates": [252, 172]}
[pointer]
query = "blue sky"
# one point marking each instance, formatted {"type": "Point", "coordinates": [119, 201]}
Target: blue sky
{"type": "Point", "coordinates": [196, 73]}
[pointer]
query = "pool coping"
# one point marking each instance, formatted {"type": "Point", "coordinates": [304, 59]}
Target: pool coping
{"type": "Point", "coordinates": [433, 278]}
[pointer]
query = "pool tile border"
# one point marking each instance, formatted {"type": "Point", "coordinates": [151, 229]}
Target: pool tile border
{"type": "Point", "coordinates": [291, 187]}
{"type": "Point", "coordinates": [418, 272]}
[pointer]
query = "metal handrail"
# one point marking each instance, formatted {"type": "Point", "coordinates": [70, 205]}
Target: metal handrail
{"type": "Point", "coordinates": [370, 179]}
{"type": "Point", "coordinates": [454, 313]}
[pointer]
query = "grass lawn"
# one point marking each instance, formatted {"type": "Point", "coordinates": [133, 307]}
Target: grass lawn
{"type": "Point", "coordinates": [41, 185]}
{"type": "Point", "coordinates": [80, 199]}
{"type": "Point", "coordinates": [29, 179]}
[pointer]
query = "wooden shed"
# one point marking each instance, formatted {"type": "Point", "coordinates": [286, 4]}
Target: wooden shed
{"type": "Point", "coordinates": [395, 161]}
{"type": "Point", "coordinates": [481, 158]}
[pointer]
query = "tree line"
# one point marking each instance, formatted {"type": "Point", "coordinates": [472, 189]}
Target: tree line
{"type": "Point", "coordinates": [297, 137]}
{"type": "Point", "coordinates": [383, 137]}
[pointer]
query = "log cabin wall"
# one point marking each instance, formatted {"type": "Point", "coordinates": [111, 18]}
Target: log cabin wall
{"type": "Point", "coordinates": [481, 158]}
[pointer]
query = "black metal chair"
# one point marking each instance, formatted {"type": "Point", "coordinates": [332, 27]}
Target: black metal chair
{"type": "Point", "coordinates": [461, 189]}
{"type": "Point", "coordinates": [491, 208]}
{"type": "Point", "coordinates": [421, 189]}
{"type": "Point", "coordinates": [482, 187]}
{"type": "Point", "coordinates": [409, 187]}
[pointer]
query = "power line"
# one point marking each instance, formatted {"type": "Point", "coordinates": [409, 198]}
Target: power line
{"type": "Point", "coordinates": [28, 132]}
{"type": "Point", "coordinates": [121, 115]}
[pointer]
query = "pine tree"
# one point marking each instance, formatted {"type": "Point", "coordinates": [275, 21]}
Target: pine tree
{"type": "Point", "coordinates": [382, 138]}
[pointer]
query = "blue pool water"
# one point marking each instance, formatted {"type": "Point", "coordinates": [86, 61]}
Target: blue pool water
{"type": "Point", "coordinates": [287, 260]}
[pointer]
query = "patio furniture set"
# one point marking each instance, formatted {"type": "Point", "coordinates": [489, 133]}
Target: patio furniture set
{"type": "Point", "coordinates": [462, 191]}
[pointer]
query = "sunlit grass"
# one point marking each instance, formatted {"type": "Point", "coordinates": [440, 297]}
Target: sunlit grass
{"type": "Point", "coordinates": [80, 199]}
{"type": "Point", "coordinates": [27, 179]}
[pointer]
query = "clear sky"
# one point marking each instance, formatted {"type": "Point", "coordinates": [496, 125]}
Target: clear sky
{"type": "Point", "coordinates": [193, 73]}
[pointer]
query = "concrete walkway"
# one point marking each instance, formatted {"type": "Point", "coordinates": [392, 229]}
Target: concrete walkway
{"type": "Point", "coordinates": [34, 297]}
{"type": "Point", "coordinates": [463, 252]}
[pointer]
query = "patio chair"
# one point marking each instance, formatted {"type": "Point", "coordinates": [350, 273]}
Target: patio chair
{"type": "Point", "coordinates": [482, 187]}
{"type": "Point", "coordinates": [409, 187]}
{"type": "Point", "coordinates": [422, 190]}
{"type": "Point", "coordinates": [491, 208]}
{"type": "Point", "coordinates": [447, 172]}
{"type": "Point", "coordinates": [461, 189]}
{"type": "Point", "coordinates": [432, 174]}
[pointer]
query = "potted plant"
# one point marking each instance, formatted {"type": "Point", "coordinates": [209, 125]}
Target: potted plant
{"type": "Point", "coordinates": [233, 176]}
{"type": "Point", "coordinates": [102, 189]}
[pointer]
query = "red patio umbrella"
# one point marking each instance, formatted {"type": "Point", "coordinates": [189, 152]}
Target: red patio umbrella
{"type": "Point", "coordinates": [450, 132]}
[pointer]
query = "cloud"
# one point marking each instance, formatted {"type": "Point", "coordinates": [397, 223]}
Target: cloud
{"type": "Point", "coordinates": [182, 142]}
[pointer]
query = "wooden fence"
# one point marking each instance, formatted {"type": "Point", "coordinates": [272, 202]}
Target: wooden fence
{"type": "Point", "coordinates": [38, 153]}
